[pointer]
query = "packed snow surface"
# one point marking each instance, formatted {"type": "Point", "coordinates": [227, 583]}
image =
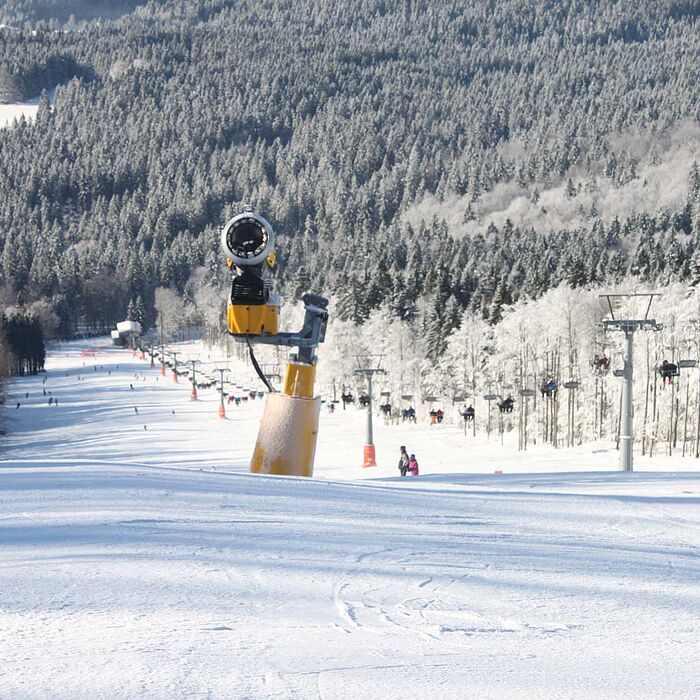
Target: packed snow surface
{"type": "Point", "coordinates": [138, 558]}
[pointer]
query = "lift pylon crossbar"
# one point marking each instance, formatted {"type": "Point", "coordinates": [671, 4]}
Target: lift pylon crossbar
{"type": "Point", "coordinates": [609, 298]}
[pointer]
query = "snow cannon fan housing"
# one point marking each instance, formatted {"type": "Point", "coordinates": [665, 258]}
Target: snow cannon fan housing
{"type": "Point", "coordinates": [247, 241]}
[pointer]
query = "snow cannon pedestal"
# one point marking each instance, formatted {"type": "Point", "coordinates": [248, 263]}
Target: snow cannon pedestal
{"type": "Point", "coordinates": [370, 457]}
{"type": "Point", "coordinates": [286, 442]}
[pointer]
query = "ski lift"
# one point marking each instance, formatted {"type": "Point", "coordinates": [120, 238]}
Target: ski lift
{"type": "Point", "coordinates": [618, 373]}
{"type": "Point", "coordinates": [364, 400]}
{"type": "Point", "coordinates": [549, 388]}
{"type": "Point", "coordinates": [467, 413]}
{"type": "Point", "coordinates": [490, 397]}
{"type": "Point", "coordinates": [668, 370]}
{"type": "Point", "coordinates": [687, 364]}
{"type": "Point", "coordinates": [459, 398]}
{"type": "Point", "coordinates": [506, 406]}
{"type": "Point", "coordinates": [571, 385]}
{"type": "Point", "coordinates": [526, 393]}
{"type": "Point", "coordinates": [429, 399]}
{"type": "Point", "coordinates": [600, 364]}
{"type": "Point", "coordinates": [385, 394]}
{"type": "Point", "coordinates": [436, 416]}
{"type": "Point", "coordinates": [407, 397]}
{"type": "Point", "coordinates": [409, 414]}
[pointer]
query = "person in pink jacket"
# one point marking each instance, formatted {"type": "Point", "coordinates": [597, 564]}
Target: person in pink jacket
{"type": "Point", "coordinates": [413, 466]}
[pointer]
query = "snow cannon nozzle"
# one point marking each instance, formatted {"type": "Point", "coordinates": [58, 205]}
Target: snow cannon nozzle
{"type": "Point", "coordinates": [247, 241]}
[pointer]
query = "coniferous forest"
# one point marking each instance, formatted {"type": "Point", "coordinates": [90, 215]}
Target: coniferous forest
{"type": "Point", "coordinates": [338, 122]}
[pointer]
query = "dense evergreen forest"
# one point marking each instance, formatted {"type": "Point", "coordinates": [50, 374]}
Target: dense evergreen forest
{"type": "Point", "coordinates": [335, 120]}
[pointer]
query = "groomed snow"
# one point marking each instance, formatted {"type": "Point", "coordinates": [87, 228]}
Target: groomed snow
{"type": "Point", "coordinates": [148, 563]}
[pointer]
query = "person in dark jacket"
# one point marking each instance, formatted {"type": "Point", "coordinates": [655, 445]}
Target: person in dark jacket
{"type": "Point", "coordinates": [403, 461]}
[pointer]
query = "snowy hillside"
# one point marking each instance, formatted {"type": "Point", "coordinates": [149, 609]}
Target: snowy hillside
{"type": "Point", "coordinates": [140, 559]}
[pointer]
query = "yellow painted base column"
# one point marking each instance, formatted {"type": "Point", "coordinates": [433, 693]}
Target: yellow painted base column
{"type": "Point", "coordinates": [286, 442]}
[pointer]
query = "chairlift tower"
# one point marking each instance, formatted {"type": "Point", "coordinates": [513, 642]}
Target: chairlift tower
{"type": "Point", "coordinates": [175, 354]}
{"type": "Point", "coordinates": [193, 394]}
{"type": "Point", "coordinates": [629, 326]}
{"type": "Point", "coordinates": [369, 365]}
{"type": "Point", "coordinates": [222, 369]}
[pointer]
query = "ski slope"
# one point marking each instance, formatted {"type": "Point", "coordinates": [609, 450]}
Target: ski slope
{"type": "Point", "coordinates": [147, 562]}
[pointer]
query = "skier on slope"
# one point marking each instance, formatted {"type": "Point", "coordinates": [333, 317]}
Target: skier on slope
{"type": "Point", "coordinates": [403, 461]}
{"type": "Point", "coordinates": [413, 465]}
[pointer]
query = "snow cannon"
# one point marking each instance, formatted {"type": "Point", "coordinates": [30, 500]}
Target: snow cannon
{"type": "Point", "coordinates": [286, 443]}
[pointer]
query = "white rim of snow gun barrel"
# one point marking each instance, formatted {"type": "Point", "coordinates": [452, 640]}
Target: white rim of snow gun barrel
{"type": "Point", "coordinates": [260, 255]}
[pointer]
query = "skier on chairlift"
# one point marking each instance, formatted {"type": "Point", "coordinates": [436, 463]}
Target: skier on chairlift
{"type": "Point", "coordinates": [506, 406]}
{"type": "Point", "coordinates": [467, 412]}
{"type": "Point", "coordinates": [549, 388]}
{"type": "Point", "coordinates": [668, 371]}
{"type": "Point", "coordinates": [601, 364]}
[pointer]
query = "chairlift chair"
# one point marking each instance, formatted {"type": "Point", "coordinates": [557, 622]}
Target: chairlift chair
{"type": "Point", "coordinates": [601, 365]}
{"type": "Point", "coordinates": [506, 405]}
{"type": "Point", "coordinates": [549, 388]}
{"type": "Point", "coordinates": [668, 370]}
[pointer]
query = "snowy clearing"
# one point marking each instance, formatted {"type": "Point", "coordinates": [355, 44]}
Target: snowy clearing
{"type": "Point", "coordinates": [148, 563]}
{"type": "Point", "coordinates": [28, 109]}
{"type": "Point", "coordinates": [10, 112]}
